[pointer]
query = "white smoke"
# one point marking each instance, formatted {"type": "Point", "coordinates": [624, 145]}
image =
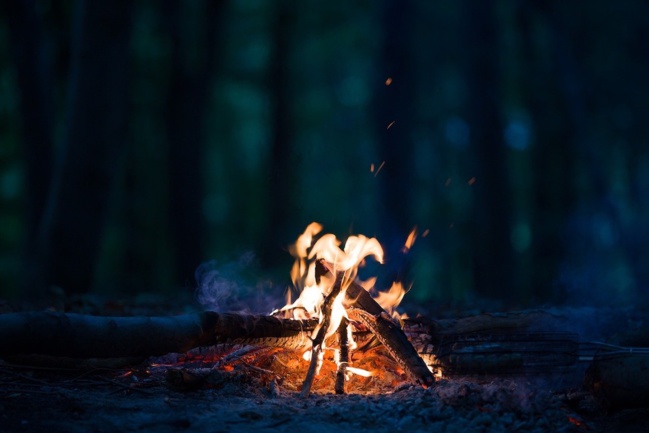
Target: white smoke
{"type": "Point", "coordinates": [232, 287]}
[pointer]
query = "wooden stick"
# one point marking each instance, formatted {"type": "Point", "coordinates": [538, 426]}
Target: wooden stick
{"type": "Point", "coordinates": [366, 310]}
{"type": "Point", "coordinates": [397, 344]}
{"type": "Point", "coordinates": [320, 334]}
{"type": "Point", "coordinates": [343, 329]}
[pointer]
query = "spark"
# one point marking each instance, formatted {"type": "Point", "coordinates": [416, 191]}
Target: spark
{"type": "Point", "coordinates": [379, 169]}
{"type": "Point", "coordinates": [448, 182]}
{"type": "Point", "coordinates": [471, 181]}
{"type": "Point", "coordinates": [388, 81]}
{"type": "Point", "coordinates": [577, 422]}
{"type": "Point", "coordinates": [410, 241]}
{"type": "Point", "coordinates": [390, 125]}
{"type": "Point", "coordinates": [425, 233]}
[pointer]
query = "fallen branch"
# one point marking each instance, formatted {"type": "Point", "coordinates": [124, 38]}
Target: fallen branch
{"type": "Point", "coordinates": [83, 336]}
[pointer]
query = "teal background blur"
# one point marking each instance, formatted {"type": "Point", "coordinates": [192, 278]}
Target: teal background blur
{"type": "Point", "coordinates": [139, 139]}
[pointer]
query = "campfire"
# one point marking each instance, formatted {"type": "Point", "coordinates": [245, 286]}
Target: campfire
{"type": "Point", "coordinates": [325, 276]}
{"type": "Point", "coordinates": [347, 337]}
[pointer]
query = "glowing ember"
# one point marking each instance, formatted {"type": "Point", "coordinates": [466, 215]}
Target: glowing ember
{"type": "Point", "coordinates": [388, 81]}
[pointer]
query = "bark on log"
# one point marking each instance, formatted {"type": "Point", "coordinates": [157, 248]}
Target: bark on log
{"type": "Point", "coordinates": [397, 345]}
{"type": "Point", "coordinates": [83, 336]}
{"type": "Point", "coordinates": [24, 336]}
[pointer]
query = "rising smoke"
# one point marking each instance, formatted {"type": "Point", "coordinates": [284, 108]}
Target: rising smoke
{"type": "Point", "coordinates": [233, 286]}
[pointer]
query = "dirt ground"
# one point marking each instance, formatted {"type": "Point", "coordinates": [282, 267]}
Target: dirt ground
{"type": "Point", "coordinates": [259, 391]}
{"type": "Point", "coordinates": [144, 399]}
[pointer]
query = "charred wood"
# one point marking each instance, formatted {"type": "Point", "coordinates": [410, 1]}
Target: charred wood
{"type": "Point", "coordinates": [343, 340]}
{"type": "Point", "coordinates": [320, 333]}
{"type": "Point", "coordinates": [363, 308]}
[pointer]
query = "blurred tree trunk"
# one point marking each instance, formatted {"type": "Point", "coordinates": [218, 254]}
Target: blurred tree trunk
{"type": "Point", "coordinates": [589, 159]}
{"type": "Point", "coordinates": [492, 251]}
{"type": "Point", "coordinates": [395, 116]}
{"type": "Point", "coordinates": [95, 136]}
{"type": "Point", "coordinates": [283, 165]}
{"type": "Point", "coordinates": [34, 70]}
{"type": "Point", "coordinates": [193, 62]}
{"type": "Point", "coordinates": [554, 165]}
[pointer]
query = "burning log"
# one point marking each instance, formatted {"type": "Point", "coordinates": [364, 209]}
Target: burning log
{"type": "Point", "coordinates": [343, 361]}
{"type": "Point", "coordinates": [397, 345]}
{"type": "Point", "coordinates": [363, 308]}
{"type": "Point", "coordinates": [320, 334]}
{"type": "Point", "coordinates": [83, 336]}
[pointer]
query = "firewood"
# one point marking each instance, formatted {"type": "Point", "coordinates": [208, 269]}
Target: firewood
{"type": "Point", "coordinates": [84, 336]}
{"type": "Point", "coordinates": [362, 307]}
{"type": "Point", "coordinates": [397, 344]}
{"type": "Point", "coordinates": [343, 360]}
{"type": "Point", "coordinates": [320, 333]}
{"type": "Point", "coordinates": [37, 336]}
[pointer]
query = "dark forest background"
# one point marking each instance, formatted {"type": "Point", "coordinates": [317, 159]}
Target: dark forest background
{"type": "Point", "coordinates": [139, 139]}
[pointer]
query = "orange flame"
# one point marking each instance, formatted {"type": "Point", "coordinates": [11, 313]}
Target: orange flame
{"type": "Point", "coordinates": [307, 250]}
{"type": "Point", "coordinates": [391, 299]}
{"type": "Point", "coordinates": [310, 247]}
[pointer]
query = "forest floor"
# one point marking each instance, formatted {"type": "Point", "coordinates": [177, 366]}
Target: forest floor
{"type": "Point", "coordinates": [42, 401]}
{"type": "Point", "coordinates": [244, 397]}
